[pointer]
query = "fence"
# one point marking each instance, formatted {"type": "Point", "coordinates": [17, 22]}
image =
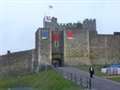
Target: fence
{"type": "Point", "coordinates": [85, 82]}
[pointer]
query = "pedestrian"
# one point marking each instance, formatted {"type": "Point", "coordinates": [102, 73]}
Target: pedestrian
{"type": "Point", "coordinates": [91, 71]}
{"type": "Point", "coordinates": [55, 63]}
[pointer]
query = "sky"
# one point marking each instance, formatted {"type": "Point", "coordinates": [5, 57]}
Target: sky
{"type": "Point", "coordinates": [19, 19]}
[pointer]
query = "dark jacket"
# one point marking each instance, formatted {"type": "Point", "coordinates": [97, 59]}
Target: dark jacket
{"type": "Point", "coordinates": [91, 71]}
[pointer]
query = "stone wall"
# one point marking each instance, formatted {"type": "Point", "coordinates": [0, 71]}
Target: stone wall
{"type": "Point", "coordinates": [76, 50]}
{"type": "Point", "coordinates": [16, 63]}
{"type": "Point", "coordinates": [42, 48]}
{"type": "Point", "coordinates": [104, 49]}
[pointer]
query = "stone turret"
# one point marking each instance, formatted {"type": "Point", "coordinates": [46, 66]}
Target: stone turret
{"type": "Point", "coordinates": [50, 22]}
{"type": "Point", "coordinates": [89, 24]}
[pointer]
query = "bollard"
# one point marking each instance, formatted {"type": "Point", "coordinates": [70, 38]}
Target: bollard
{"type": "Point", "coordinates": [71, 76]}
{"type": "Point", "coordinates": [65, 75]}
{"type": "Point", "coordinates": [90, 83]}
{"type": "Point", "coordinates": [74, 77]}
{"type": "Point", "coordinates": [62, 72]}
{"type": "Point", "coordinates": [79, 80]}
{"type": "Point", "coordinates": [84, 82]}
{"type": "Point", "coordinates": [87, 82]}
{"type": "Point", "coordinates": [68, 76]}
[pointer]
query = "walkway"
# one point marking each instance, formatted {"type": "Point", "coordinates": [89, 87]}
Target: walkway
{"type": "Point", "coordinates": [97, 82]}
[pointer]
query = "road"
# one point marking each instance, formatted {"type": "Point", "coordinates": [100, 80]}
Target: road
{"type": "Point", "coordinates": [97, 82]}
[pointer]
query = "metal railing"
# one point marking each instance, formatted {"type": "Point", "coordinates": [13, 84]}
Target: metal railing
{"type": "Point", "coordinates": [86, 83]}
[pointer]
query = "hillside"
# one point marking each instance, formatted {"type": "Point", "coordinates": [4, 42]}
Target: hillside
{"type": "Point", "coordinates": [46, 80]}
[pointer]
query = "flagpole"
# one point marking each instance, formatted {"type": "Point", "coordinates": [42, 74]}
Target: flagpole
{"type": "Point", "coordinates": [50, 7]}
{"type": "Point", "coordinates": [48, 11]}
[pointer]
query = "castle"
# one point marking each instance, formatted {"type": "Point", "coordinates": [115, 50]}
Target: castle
{"type": "Point", "coordinates": [65, 44]}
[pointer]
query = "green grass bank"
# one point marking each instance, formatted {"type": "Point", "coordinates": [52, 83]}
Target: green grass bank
{"type": "Point", "coordinates": [45, 80]}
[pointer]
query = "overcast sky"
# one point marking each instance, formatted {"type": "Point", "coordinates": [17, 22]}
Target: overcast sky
{"type": "Point", "coordinates": [19, 19]}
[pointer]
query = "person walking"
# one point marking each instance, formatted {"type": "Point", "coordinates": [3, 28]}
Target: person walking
{"type": "Point", "coordinates": [91, 71]}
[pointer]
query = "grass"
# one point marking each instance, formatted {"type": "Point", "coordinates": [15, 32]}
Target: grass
{"type": "Point", "coordinates": [45, 80]}
{"type": "Point", "coordinates": [98, 72]}
{"type": "Point", "coordinates": [117, 78]}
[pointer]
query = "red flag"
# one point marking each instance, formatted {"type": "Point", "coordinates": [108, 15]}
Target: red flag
{"type": "Point", "coordinates": [55, 37]}
{"type": "Point", "coordinates": [69, 35]}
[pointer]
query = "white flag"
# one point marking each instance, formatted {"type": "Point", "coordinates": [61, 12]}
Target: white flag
{"type": "Point", "coordinates": [47, 18]}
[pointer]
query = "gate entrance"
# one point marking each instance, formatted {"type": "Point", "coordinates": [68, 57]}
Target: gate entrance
{"type": "Point", "coordinates": [57, 62]}
{"type": "Point", "coordinates": [57, 48]}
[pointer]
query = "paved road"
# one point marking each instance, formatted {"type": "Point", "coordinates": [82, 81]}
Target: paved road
{"type": "Point", "coordinates": [97, 82]}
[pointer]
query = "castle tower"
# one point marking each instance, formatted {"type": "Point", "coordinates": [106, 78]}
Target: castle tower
{"type": "Point", "coordinates": [49, 43]}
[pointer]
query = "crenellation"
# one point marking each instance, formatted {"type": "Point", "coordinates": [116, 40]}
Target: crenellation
{"type": "Point", "coordinates": [89, 24]}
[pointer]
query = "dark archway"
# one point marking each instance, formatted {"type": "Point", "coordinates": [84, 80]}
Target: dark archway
{"type": "Point", "coordinates": [57, 62]}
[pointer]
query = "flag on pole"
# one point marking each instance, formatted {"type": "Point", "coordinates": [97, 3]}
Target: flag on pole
{"type": "Point", "coordinates": [44, 34]}
{"type": "Point", "coordinates": [47, 18]}
{"type": "Point", "coordinates": [69, 35]}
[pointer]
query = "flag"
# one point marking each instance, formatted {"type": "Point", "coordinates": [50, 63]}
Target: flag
{"type": "Point", "coordinates": [47, 19]}
{"type": "Point", "coordinates": [69, 35]}
{"type": "Point", "coordinates": [50, 6]}
{"type": "Point", "coordinates": [55, 37]}
{"type": "Point", "coordinates": [44, 35]}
